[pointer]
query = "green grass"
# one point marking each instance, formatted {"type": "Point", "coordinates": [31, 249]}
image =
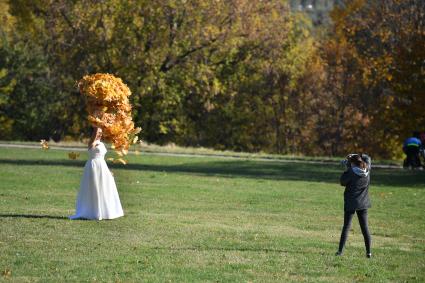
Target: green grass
{"type": "Point", "coordinates": [204, 219]}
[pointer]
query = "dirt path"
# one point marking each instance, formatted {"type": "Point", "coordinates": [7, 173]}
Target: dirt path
{"type": "Point", "coordinates": [265, 159]}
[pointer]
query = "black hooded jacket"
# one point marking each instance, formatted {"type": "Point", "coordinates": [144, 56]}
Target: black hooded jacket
{"type": "Point", "coordinates": [356, 182]}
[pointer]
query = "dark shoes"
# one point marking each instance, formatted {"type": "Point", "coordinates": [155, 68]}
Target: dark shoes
{"type": "Point", "coordinates": [338, 253]}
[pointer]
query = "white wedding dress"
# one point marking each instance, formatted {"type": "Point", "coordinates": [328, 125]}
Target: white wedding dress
{"type": "Point", "coordinates": [98, 196]}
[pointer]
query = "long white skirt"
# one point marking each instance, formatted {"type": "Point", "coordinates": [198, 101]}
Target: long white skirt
{"type": "Point", "coordinates": [98, 196]}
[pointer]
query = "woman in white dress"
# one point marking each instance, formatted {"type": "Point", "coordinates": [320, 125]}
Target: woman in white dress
{"type": "Point", "coordinates": [98, 196]}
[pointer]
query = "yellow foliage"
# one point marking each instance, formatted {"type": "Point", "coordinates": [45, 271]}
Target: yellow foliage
{"type": "Point", "coordinates": [44, 144]}
{"type": "Point", "coordinates": [109, 108]}
{"type": "Point", "coordinates": [73, 155]}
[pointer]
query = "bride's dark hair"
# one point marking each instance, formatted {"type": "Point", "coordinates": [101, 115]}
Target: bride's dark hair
{"type": "Point", "coordinates": [92, 132]}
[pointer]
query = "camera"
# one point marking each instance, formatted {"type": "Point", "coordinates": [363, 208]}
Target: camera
{"type": "Point", "coordinates": [346, 162]}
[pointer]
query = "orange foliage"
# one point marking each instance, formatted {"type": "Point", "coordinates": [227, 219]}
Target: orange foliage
{"type": "Point", "coordinates": [109, 108]}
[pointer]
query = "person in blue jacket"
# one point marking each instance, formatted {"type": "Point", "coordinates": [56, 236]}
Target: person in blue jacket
{"type": "Point", "coordinates": [411, 148]}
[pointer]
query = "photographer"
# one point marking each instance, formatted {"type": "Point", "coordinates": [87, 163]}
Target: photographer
{"type": "Point", "coordinates": [356, 180]}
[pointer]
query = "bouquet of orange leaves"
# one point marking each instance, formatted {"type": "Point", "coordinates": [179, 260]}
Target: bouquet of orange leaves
{"type": "Point", "coordinates": [109, 108]}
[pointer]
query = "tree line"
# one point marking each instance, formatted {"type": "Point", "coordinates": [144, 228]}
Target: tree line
{"type": "Point", "coordinates": [238, 74]}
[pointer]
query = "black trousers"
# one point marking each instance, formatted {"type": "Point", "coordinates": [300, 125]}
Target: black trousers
{"type": "Point", "coordinates": [348, 216]}
{"type": "Point", "coordinates": [412, 156]}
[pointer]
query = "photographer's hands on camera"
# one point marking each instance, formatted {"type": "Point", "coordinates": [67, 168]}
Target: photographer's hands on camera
{"type": "Point", "coordinates": [346, 162]}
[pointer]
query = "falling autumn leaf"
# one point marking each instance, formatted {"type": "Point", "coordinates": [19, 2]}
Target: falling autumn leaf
{"type": "Point", "coordinates": [136, 130]}
{"type": "Point", "coordinates": [73, 155]}
{"type": "Point", "coordinates": [6, 273]}
{"type": "Point", "coordinates": [44, 144]}
{"type": "Point", "coordinates": [120, 160]}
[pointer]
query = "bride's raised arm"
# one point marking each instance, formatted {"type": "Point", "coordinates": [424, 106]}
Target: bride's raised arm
{"type": "Point", "coordinates": [95, 137]}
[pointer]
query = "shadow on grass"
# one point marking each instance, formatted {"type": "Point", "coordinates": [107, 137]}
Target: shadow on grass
{"type": "Point", "coordinates": [254, 169]}
{"type": "Point", "coordinates": [237, 249]}
{"type": "Point", "coordinates": [32, 216]}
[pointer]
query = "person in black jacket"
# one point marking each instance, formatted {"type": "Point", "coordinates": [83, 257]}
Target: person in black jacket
{"type": "Point", "coordinates": [356, 197]}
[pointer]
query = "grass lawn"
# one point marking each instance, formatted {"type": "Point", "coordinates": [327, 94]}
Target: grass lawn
{"type": "Point", "coordinates": [191, 219]}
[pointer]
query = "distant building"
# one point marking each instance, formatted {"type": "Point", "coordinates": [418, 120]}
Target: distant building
{"type": "Point", "coordinates": [318, 10]}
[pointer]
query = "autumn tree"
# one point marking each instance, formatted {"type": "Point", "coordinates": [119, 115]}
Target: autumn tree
{"type": "Point", "coordinates": [242, 75]}
{"type": "Point", "coordinates": [387, 39]}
